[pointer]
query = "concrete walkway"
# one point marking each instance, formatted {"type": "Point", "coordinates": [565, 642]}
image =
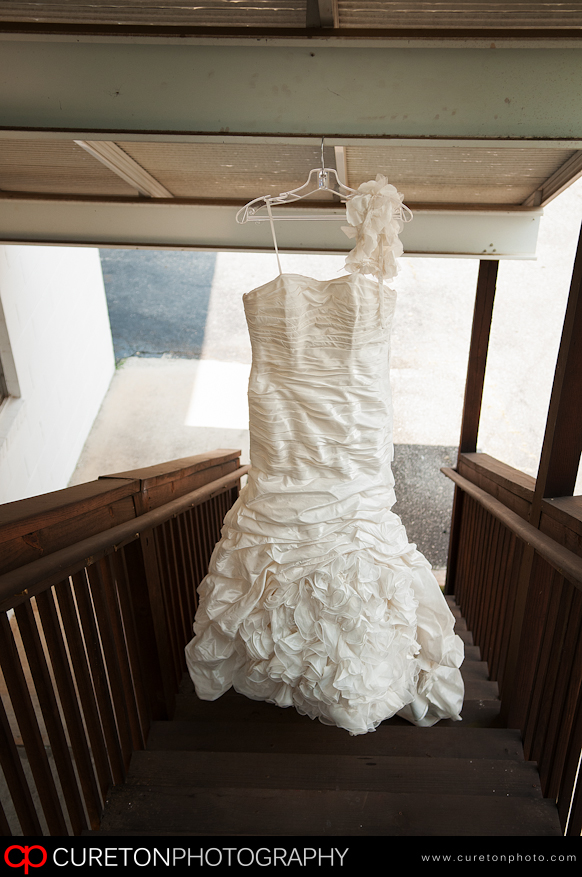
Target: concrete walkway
{"type": "Point", "coordinates": [182, 390]}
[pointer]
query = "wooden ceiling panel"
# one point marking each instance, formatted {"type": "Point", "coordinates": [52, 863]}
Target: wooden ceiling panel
{"type": "Point", "coordinates": [428, 174]}
{"type": "Point", "coordinates": [351, 14]}
{"type": "Point", "coordinates": [239, 171]}
{"type": "Point", "coordinates": [206, 13]}
{"type": "Point", "coordinates": [424, 173]}
{"type": "Point", "coordinates": [473, 175]}
{"type": "Point", "coordinates": [58, 167]}
{"type": "Point", "coordinates": [457, 14]}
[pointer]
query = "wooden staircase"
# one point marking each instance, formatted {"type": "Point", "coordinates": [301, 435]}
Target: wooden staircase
{"type": "Point", "coordinates": [240, 767]}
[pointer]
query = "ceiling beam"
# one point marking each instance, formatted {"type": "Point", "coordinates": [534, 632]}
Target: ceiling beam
{"type": "Point", "coordinates": [412, 37]}
{"type": "Point", "coordinates": [296, 91]}
{"type": "Point", "coordinates": [570, 171]}
{"type": "Point", "coordinates": [287, 139]}
{"type": "Point", "coordinates": [113, 157]}
{"type": "Point", "coordinates": [341, 164]}
{"type": "Point", "coordinates": [321, 13]}
{"type": "Point", "coordinates": [158, 223]}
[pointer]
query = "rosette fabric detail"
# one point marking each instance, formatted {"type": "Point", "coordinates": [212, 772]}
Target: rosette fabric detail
{"type": "Point", "coordinates": [375, 221]}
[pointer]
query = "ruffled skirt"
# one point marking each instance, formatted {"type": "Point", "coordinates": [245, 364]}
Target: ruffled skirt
{"type": "Point", "coordinates": [348, 626]}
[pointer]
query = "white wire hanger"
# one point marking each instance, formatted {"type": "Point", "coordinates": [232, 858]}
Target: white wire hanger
{"type": "Point", "coordinates": [322, 179]}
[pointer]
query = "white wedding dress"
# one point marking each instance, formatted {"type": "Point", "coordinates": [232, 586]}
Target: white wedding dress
{"type": "Point", "coordinates": [314, 597]}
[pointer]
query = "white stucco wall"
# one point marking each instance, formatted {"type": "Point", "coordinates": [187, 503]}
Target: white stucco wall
{"type": "Point", "coordinates": [55, 343]}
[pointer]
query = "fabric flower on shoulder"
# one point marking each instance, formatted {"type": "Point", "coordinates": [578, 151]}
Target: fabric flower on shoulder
{"type": "Point", "coordinates": [375, 217]}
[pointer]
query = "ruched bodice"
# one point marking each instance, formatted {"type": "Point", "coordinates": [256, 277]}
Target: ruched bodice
{"type": "Point", "coordinates": [321, 361]}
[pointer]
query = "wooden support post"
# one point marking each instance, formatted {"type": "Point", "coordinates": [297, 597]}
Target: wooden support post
{"type": "Point", "coordinates": [562, 444]}
{"type": "Point", "coordinates": [557, 472]}
{"type": "Point", "coordinates": [482, 316]}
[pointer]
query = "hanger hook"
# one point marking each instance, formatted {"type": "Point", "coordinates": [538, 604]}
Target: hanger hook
{"type": "Point", "coordinates": [322, 173]}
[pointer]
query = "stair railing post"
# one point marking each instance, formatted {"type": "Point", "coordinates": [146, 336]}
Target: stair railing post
{"type": "Point", "coordinates": [480, 332]}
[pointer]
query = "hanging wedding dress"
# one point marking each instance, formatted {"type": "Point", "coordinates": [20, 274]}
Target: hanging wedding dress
{"type": "Point", "coordinates": [314, 597]}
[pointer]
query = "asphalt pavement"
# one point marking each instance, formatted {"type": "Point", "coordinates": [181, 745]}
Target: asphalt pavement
{"type": "Point", "coordinates": [157, 300]}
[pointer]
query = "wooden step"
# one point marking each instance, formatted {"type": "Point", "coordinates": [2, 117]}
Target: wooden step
{"type": "Point", "coordinates": [237, 710]}
{"type": "Point", "coordinates": [197, 812]}
{"type": "Point", "coordinates": [313, 737]}
{"type": "Point", "coordinates": [399, 774]}
{"type": "Point", "coordinates": [238, 767]}
{"type": "Point", "coordinates": [466, 636]}
{"type": "Point", "coordinates": [483, 712]}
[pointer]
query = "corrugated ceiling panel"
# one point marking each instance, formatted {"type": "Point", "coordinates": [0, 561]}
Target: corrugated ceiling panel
{"type": "Point", "coordinates": [209, 13]}
{"type": "Point", "coordinates": [55, 166]}
{"type": "Point", "coordinates": [424, 173]}
{"type": "Point", "coordinates": [453, 174]}
{"type": "Point", "coordinates": [292, 13]}
{"type": "Point", "coordinates": [208, 170]}
{"type": "Point", "coordinates": [459, 14]}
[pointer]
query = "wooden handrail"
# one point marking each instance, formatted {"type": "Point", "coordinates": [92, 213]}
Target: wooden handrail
{"type": "Point", "coordinates": [37, 526]}
{"type": "Point", "coordinates": [26, 581]}
{"type": "Point", "coordinates": [97, 654]}
{"type": "Point", "coordinates": [562, 559]}
{"type": "Point", "coordinates": [518, 587]}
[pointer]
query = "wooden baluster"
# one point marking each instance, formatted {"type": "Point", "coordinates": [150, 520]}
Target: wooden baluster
{"type": "Point", "coordinates": [177, 575]}
{"type": "Point", "coordinates": [70, 705]}
{"type": "Point", "coordinates": [164, 553]}
{"type": "Point", "coordinates": [501, 598]}
{"type": "Point", "coordinates": [4, 824]}
{"type": "Point", "coordinates": [185, 583]}
{"type": "Point", "coordinates": [117, 647]}
{"type": "Point", "coordinates": [510, 593]}
{"type": "Point", "coordinates": [84, 682]}
{"type": "Point", "coordinates": [490, 605]}
{"type": "Point", "coordinates": [50, 711]}
{"type": "Point", "coordinates": [99, 675]}
{"type": "Point", "coordinates": [118, 564]}
{"type": "Point", "coordinates": [16, 779]}
{"type": "Point", "coordinates": [563, 699]}
{"type": "Point", "coordinates": [546, 617]}
{"type": "Point", "coordinates": [197, 538]}
{"type": "Point", "coordinates": [150, 622]}
{"type": "Point", "coordinates": [209, 541]}
{"type": "Point", "coordinates": [31, 735]}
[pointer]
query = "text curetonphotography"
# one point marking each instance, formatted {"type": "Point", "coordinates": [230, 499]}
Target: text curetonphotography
{"type": "Point", "coordinates": [211, 857]}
